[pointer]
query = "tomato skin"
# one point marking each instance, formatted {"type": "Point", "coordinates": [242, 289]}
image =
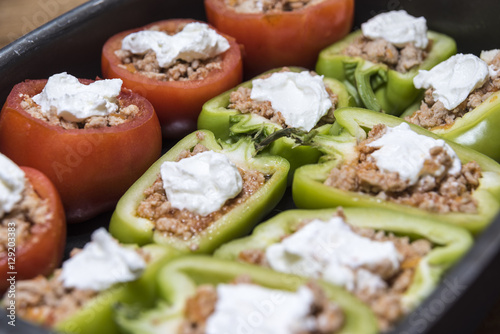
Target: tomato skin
{"type": "Point", "coordinates": [177, 103]}
{"type": "Point", "coordinates": [283, 39]}
{"type": "Point", "coordinates": [91, 168]}
{"type": "Point", "coordinates": [43, 251]}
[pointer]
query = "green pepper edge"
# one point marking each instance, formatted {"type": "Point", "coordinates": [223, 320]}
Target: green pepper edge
{"type": "Point", "coordinates": [128, 228]}
{"type": "Point", "coordinates": [309, 192]}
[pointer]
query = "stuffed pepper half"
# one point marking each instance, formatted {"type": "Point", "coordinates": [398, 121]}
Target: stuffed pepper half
{"type": "Point", "coordinates": [204, 295]}
{"type": "Point", "coordinates": [200, 194]}
{"type": "Point", "coordinates": [389, 260]}
{"type": "Point", "coordinates": [381, 161]}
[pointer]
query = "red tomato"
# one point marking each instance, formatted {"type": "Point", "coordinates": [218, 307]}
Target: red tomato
{"type": "Point", "coordinates": [292, 38]}
{"type": "Point", "coordinates": [91, 168]}
{"type": "Point", "coordinates": [177, 103]}
{"type": "Point", "coordinates": [43, 251]}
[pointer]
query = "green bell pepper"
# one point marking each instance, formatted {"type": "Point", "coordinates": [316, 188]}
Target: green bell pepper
{"type": "Point", "coordinates": [450, 242]}
{"type": "Point", "coordinates": [97, 315]}
{"type": "Point", "coordinates": [230, 123]}
{"type": "Point", "coordinates": [128, 227]}
{"type": "Point", "coordinates": [179, 279]}
{"type": "Point", "coordinates": [375, 86]}
{"type": "Point", "coordinates": [477, 129]}
{"type": "Point", "coordinates": [309, 192]}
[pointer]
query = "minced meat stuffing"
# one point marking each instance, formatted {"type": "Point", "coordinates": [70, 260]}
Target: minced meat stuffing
{"type": "Point", "coordinates": [432, 113]}
{"type": "Point", "coordinates": [29, 212]}
{"type": "Point", "coordinates": [124, 114]}
{"type": "Point", "coordinates": [46, 301]}
{"type": "Point", "coordinates": [183, 223]}
{"type": "Point", "coordinates": [240, 100]}
{"type": "Point", "coordinates": [381, 51]}
{"type": "Point", "coordinates": [269, 6]}
{"type": "Point", "coordinates": [385, 303]}
{"type": "Point", "coordinates": [329, 318]}
{"type": "Point", "coordinates": [148, 66]}
{"type": "Point", "coordinates": [448, 193]}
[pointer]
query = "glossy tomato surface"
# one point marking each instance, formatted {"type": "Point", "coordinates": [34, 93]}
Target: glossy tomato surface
{"type": "Point", "coordinates": [43, 251]}
{"type": "Point", "coordinates": [292, 38]}
{"type": "Point", "coordinates": [91, 168]}
{"type": "Point", "coordinates": [177, 103]}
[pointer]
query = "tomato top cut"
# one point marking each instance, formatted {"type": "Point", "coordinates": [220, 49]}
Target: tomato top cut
{"type": "Point", "coordinates": [91, 168]}
{"type": "Point", "coordinates": [177, 103]}
{"type": "Point", "coordinates": [43, 251]}
{"type": "Point", "coordinates": [292, 38]}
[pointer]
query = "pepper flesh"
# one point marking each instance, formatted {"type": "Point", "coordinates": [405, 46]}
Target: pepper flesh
{"type": "Point", "coordinates": [450, 242]}
{"type": "Point", "coordinates": [228, 124]}
{"type": "Point", "coordinates": [179, 279]}
{"type": "Point", "coordinates": [375, 86]}
{"type": "Point", "coordinates": [309, 192]}
{"type": "Point", "coordinates": [127, 227]}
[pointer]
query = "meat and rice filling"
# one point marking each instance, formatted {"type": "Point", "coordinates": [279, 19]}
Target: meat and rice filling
{"type": "Point", "coordinates": [123, 115]}
{"type": "Point", "coordinates": [31, 212]}
{"type": "Point", "coordinates": [147, 64]}
{"type": "Point", "coordinates": [328, 317]}
{"type": "Point", "coordinates": [269, 6]}
{"type": "Point", "coordinates": [240, 100]}
{"type": "Point", "coordinates": [183, 223]}
{"type": "Point", "coordinates": [447, 193]}
{"type": "Point", "coordinates": [386, 303]}
{"type": "Point", "coordinates": [381, 51]}
{"type": "Point", "coordinates": [432, 113]}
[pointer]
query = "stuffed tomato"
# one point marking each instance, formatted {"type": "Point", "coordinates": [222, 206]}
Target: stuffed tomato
{"type": "Point", "coordinates": [184, 64]}
{"type": "Point", "coordinates": [90, 160]}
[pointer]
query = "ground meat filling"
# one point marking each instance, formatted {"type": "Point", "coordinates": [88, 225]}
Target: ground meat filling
{"type": "Point", "coordinates": [385, 303]}
{"type": "Point", "coordinates": [381, 51]}
{"type": "Point", "coordinates": [328, 316]}
{"type": "Point", "coordinates": [432, 113]}
{"type": "Point", "coordinates": [448, 193]}
{"type": "Point", "coordinates": [31, 212]}
{"type": "Point", "coordinates": [269, 6]}
{"type": "Point", "coordinates": [240, 100]}
{"type": "Point", "coordinates": [148, 66]}
{"type": "Point", "coordinates": [46, 301]}
{"type": "Point", "coordinates": [184, 224]}
{"type": "Point", "coordinates": [124, 114]}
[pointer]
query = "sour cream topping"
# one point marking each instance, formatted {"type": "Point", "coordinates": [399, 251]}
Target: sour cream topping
{"type": "Point", "coordinates": [454, 79]}
{"type": "Point", "coordinates": [488, 56]}
{"type": "Point", "coordinates": [101, 263]}
{"type": "Point", "coordinates": [397, 27]}
{"type": "Point", "coordinates": [74, 101]}
{"type": "Point", "coordinates": [195, 41]}
{"type": "Point", "coordinates": [247, 308]}
{"type": "Point", "coordinates": [301, 97]}
{"type": "Point", "coordinates": [12, 184]}
{"type": "Point", "coordinates": [332, 251]}
{"type": "Point", "coordinates": [201, 183]}
{"type": "Point", "coordinates": [404, 151]}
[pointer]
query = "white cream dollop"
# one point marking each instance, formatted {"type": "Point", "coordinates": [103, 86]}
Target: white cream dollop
{"type": "Point", "coordinates": [332, 251]}
{"type": "Point", "coordinates": [101, 263]}
{"type": "Point", "coordinates": [201, 183]}
{"type": "Point", "coordinates": [454, 79]}
{"type": "Point", "coordinates": [248, 308]}
{"type": "Point", "coordinates": [196, 41]}
{"type": "Point", "coordinates": [398, 28]}
{"type": "Point", "coordinates": [12, 184]}
{"type": "Point", "coordinates": [74, 101]}
{"type": "Point", "coordinates": [404, 151]}
{"type": "Point", "coordinates": [301, 97]}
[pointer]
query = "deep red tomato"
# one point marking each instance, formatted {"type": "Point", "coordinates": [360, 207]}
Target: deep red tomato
{"type": "Point", "coordinates": [292, 38]}
{"type": "Point", "coordinates": [43, 251]}
{"type": "Point", "coordinates": [91, 168]}
{"type": "Point", "coordinates": [177, 103]}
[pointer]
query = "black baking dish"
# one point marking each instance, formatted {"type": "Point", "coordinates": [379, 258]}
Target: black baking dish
{"type": "Point", "coordinates": [73, 43]}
